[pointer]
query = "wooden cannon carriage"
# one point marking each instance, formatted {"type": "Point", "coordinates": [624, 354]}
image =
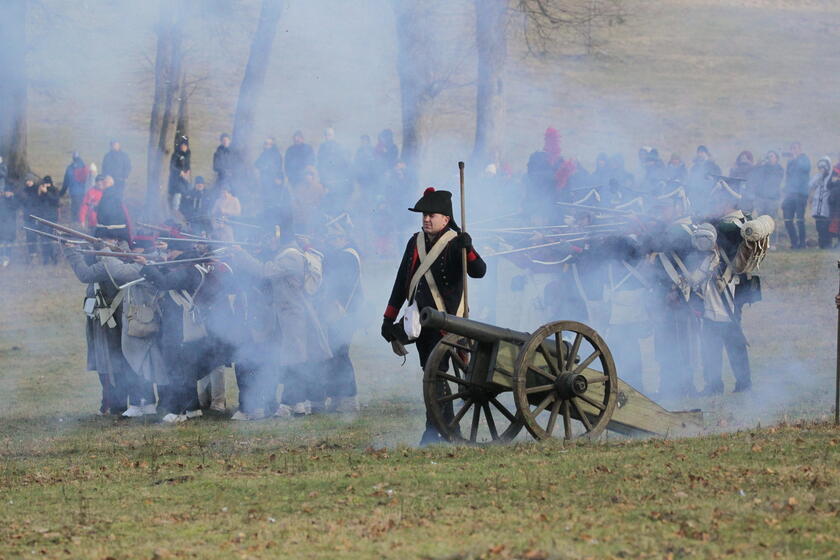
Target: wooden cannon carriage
{"type": "Point", "coordinates": [559, 380]}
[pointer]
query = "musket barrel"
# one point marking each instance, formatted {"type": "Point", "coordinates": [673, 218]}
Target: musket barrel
{"type": "Point", "coordinates": [482, 332]}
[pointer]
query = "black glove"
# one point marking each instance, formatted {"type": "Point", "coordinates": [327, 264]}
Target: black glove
{"type": "Point", "coordinates": [465, 241]}
{"type": "Point", "coordinates": [388, 330]}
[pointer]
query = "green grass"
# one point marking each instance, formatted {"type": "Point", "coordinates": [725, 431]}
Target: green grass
{"type": "Point", "coordinates": [73, 485]}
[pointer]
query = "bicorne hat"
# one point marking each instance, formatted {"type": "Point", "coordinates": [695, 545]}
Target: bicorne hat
{"type": "Point", "coordinates": [434, 202]}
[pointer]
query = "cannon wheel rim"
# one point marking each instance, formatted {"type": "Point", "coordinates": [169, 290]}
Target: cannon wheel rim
{"type": "Point", "coordinates": [562, 410]}
{"type": "Point", "coordinates": [444, 349]}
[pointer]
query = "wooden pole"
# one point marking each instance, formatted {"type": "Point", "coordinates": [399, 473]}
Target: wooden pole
{"type": "Point", "coordinates": [464, 228]}
{"type": "Point", "coordinates": [837, 379]}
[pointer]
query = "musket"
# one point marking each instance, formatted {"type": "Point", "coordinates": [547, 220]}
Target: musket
{"type": "Point", "coordinates": [337, 218]}
{"type": "Point", "coordinates": [56, 237]}
{"type": "Point", "coordinates": [595, 208]}
{"type": "Point", "coordinates": [726, 178]}
{"type": "Point", "coordinates": [149, 263]}
{"type": "Point", "coordinates": [163, 229]}
{"type": "Point", "coordinates": [531, 229]}
{"type": "Point", "coordinates": [210, 242]}
{"type": "Point", "coordinates": [118, 254]}
{"type": "Point", "coordinates": [183, 261]}
{"type": "Point", "coordinates": [241, 224]}
{"type": "Point", "coordinates": [71, 231]}
{"type": "Point", "coordinates": [570, 234]}
{"type": "Point", "coordinates": [535, 247]}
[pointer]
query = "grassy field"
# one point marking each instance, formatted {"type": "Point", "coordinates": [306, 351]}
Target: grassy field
{"type": "Point", "coordinates": [74, 485]}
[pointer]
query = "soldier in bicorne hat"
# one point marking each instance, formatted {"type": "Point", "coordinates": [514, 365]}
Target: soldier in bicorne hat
{"type": "Point", "coordinates": [439, 283]}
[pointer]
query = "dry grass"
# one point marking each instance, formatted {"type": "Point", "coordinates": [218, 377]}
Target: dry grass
{"type": "Point", "coordinates": [74, 485]}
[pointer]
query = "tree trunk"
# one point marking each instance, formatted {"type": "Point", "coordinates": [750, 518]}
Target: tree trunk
{"type": "Point", "coordinates": [415, 79]}
{"type": "Point", "coordinates": [13, 88]}
{"type": "Point", "coordinates": [182, 126]}
{"type": "Point", "coordinates": [491, 41]}
{"type": "Point", "coordinates": [254, 79]}
{"type": "Point", "coordinates": [167, 81]}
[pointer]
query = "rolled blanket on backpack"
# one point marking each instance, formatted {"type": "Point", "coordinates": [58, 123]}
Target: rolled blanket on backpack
{"type": "Point", "coordinates": [758, 229]}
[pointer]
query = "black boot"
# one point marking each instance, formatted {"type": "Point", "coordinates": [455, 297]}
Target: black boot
{"type": "Point", "coordinates": [430, 437]}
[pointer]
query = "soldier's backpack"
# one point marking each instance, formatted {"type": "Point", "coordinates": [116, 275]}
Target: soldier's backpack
{"type": "Point", "coordinates": [142, 313]}
{"type": "Point", "coordinates": [313, 268]}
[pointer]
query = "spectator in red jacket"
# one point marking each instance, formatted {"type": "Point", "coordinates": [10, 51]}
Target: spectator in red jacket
{"type": "Point", "coordinates": [87, 212]}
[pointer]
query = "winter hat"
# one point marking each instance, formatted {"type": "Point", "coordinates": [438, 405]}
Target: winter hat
{"type": "Point", "coordinates": [825, 162]}
{"type": "Point", "coordinates": [434, 202]}
{"type": "Point", "coordinates": [47, 180]}
{"type": "Point", "coordinates": [200, 180]}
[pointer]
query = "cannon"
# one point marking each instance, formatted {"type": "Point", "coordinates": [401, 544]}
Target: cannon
{"type": "Point", "coordinates": [562, 374]}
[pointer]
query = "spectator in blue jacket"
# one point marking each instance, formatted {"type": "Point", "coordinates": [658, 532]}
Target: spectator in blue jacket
{"type": "Point", "coordinates": [75, 181]}
{"type": "Point", "coordinates": [797, 179]}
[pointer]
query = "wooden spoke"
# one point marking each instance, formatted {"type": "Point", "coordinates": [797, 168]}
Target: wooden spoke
{"type": "Point", "coordinates": [555, 408]}
{"type": "Point", "coordinates": [541, 372]}
{"type": "Point", "coordinates": [456, 359]}
{"type": "Point", "coordinates": [567, 419]}
{"type": "Point", "coordinates": [548, 360]}
{"type": "Point", "coordinates": [545, 402]}
{"type": "Point", "coordinates": [535, 382]}
{"type": "Point", "coordinates": [491, 424]}
{"type": "Point", "coordinates": [452, 378]}
{"type": "Point", "coordinates": [453, 397]}
{"type": "Point", "coordinates": [456, 345]}
{"type": "Point", "coordinates": [507, 414]}
{"type": "Point", "coordinates": [558, 346]}
{"type": "Point", "coordinates": [538, 389]}
{"type": "Point", "coordinates": [448, 387]}
{"type": "Point", "coordinates": [474, 427]}
{"type": "Point", "coordinates": [570, 359]}
{"type": "Point", "coordinates": [467, 404]}
{"type": "Point", "coordinates": [583, 417]}
{"type": "Point", "coordinates": [585, 363]}
{"type": "Point", "coordinates": [596, 404]}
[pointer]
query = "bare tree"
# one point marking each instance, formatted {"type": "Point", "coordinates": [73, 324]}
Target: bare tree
{"type": "Point", "coordinates": [546, 23]}
{"type": "Point", "coordinates": [182, 126]}
{"type": "Point", "coordinates": [168, 79]}
{"type": "Point", "coordinates": [425, 69]}
{"type": "Point", "coordinates": [13, 87]}
{"type": "Point", "coordinates": [254, 78]}
{"type": "Point", "coordinates": [491, 19]}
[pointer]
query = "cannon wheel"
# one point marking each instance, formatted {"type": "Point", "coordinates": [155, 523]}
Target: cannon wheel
{"type": "Point", "coordinates": [470, 401]}
{"type": "Point", "coordinates": [561, 388]}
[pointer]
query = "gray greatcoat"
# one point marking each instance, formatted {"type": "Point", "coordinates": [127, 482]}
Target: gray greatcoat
{"type": "Point", "coordinates": [302, 338]}
{"type": "Point", "coordinates": [112, 348]}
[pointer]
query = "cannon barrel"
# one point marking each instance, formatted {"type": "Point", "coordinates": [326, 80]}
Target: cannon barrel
{"type": "Point", "coordinates": [482, 332]}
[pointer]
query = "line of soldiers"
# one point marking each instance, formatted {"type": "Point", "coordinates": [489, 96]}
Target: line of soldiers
{"type": "Point", "coordinates": [173, 314]}
{"type": "Point", "coordinates": [649, 267]}
{"type": "Point", "coordinates": [686, 281]}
